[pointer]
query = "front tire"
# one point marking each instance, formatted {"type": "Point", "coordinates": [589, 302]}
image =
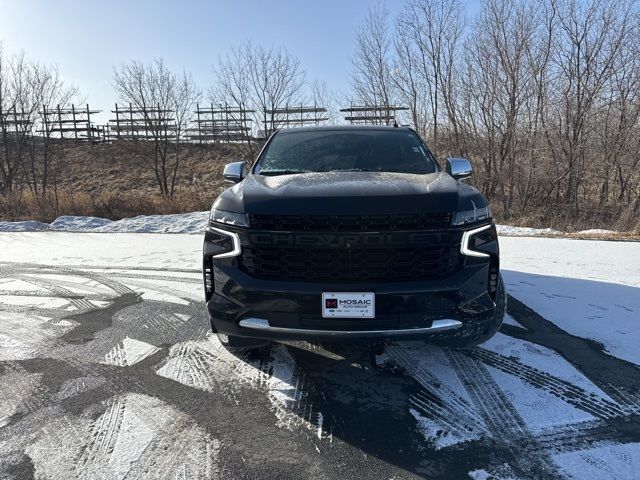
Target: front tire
{"type": "Point", "coordinates": [475, 334]}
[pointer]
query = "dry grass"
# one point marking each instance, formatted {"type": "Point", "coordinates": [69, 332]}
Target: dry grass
{"type": "Point", "coordinates": [114, 168]}
{"type": "Point", "coordinates": [558, 217]}
{"type": "Point", "coordinates": [107, 181]}
{"type": "Point", "coordinates": [113, 205]}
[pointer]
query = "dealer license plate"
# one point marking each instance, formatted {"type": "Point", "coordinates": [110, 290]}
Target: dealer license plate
{"type": "Point", "coordinates": [348, 305]}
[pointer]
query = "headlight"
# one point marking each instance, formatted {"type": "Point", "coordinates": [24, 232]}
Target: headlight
{"type": "Point", "coordinates": [230, 218]}
{"type": "Point", "coordinates": [471, 216]}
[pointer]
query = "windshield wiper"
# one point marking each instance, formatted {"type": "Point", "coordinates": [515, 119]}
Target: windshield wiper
{"type": "Point", "coordinates": [354, 170]}
{"type": "Point", "coordinates": [282, 172]}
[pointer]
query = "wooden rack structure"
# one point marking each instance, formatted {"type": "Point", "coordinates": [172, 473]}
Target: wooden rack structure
{"type": "Point", "coordinates": [217, 123]}
{"type": "Point", "coordinates": [371, 114]}
{"type": "Point", "coordinates": [147, 123]}
{"type": "Point", "coordinates": [14, 123]}
{"type": "Point", "coordinates": [69, 122]}
{"type": "Point", "coordinates": [293, 116]}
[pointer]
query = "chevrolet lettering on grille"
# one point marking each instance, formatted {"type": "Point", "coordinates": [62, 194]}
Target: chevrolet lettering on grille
{"type": "Point", "coordinates": [329, 240]}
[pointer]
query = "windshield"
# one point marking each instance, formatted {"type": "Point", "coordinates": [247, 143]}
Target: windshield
{"type": "Point", "coordinates": [399, 151]}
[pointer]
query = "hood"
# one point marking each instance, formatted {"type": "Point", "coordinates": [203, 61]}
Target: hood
{"type": "Point", "coordinates": [351, 193]}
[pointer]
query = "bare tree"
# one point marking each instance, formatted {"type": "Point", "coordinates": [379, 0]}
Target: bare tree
{"type": "Point", "coordinates": [27, 90]}
{"type": "Point", "coordinates": [590, 37]}
{"type": "Point", "coordinates": [277, 81]}
{"type": "Point", "coordinates": [371, 78]}
{"type": "Point", "coordinates": [166, 101]}
{"type": "Point", "coordinates": [408, 77]}
{"type": "Point", "coordinates": [232, 88]}
{"type": "Point", "coordinates": [546, 94]}
{"type": "Point", "coordinates": [322, 97]}
{"type": "Point", "coordinates": [15, 122]}
{"type": "Point", "coordinates": [499, 55]}
{"type": "Point", "coordinates": [429, 37]}
{"type": "Point", "coordinates": [49, 92]}
{"type": "Point", "coordinates": [265, 78]}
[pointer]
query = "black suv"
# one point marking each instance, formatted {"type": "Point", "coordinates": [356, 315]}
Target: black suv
{"type": "Point", "coordinates": [341, 233]}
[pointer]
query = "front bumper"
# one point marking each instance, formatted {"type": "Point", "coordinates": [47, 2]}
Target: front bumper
{"type": "Point", "coordinates": [242, 305]}
{"type": "Point", "coordinates": [436, 327]}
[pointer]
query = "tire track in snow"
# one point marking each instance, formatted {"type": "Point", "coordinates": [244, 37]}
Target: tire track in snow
{"type": "Point", "coordinates": [80, 304]}
{"type": "Point", "coordinates": [207, 365]}
{"type": "Point", "coordinates": [192, 363]}
{"type": "Point", "coordinates": [39, 267]}
{"type": "Point", "coordinates": [22, 293]}
{"type": "Point", "coordinates": [114, 285]}
{"type": "Point", "coordinates": [58, 347]}
{"type": "Point", "coordinates": [631, 401]}
{"type": "Point", "coordinates": [164, 278]}
{"type": "Point", "coordinates": [105, 432]}
{"type": "Point", "coordinates": [22, 394]}
{"type": "Point", "coordinates": [163, 289]}
{"type": "Point", "coordinates": [586, 435]}
{"type": "Point", "coordinates": [502, 419]}
{"type": "Point", "coordinates": [108, 430]}
{"type": "Point", "coordinates": [618, 378]}
{"type": "Point", "coordinates": [15, 269]}
{"type": "Point", "coordinates": [139, 436]}
{"type": "Point", "coordinates": [572, 394]}
{"type": "Point", "coordinates": [129, 352]}
{"type": "Point", "coordinates": [437, 401]}
{"type": "Point", "coordinates": [277, 374]}
{"type": "Point", "coordinates": [26, 403]}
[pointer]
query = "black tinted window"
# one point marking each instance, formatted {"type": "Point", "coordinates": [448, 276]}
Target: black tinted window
{"type": "Point", "coordinates": [324, 151]}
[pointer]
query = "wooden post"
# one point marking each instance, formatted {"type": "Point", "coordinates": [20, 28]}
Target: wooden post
{"type": "Point", "coordinates": [15, 119]}
{"type": "Point", "coordinates": [73, 119]}
{"type": "Point", "coordinates": [198, 123]}
{"type": "Point", "coordinates": [60, 122]}
{"type": "Point", "coordinates": [89, 131]}
{"type": "Point", "coordinates": [131, 120]}
{"type": "Point", "coordinates": [47, 121]}
{"type": "Point", "coordinates": [226, 120]}
{"type": "Point", "coordinates": [117, 122]}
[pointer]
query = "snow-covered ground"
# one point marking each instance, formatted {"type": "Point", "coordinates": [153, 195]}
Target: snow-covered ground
{"type": "Point", "coordinates": [108, 370]}
{"type": "Point", "coordinates": [588, 288]}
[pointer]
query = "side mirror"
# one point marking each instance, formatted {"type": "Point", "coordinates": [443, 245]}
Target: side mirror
{"type": "Point", "coordinates": [234, 172]}
{"type": "Point", "coordinates": [459, 168]}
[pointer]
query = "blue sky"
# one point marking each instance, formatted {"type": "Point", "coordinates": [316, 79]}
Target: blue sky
{"type": "Point", "coordinates": [86, 39]}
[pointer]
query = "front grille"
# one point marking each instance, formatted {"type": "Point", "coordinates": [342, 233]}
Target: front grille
{"type": "Point", "coordinates": [357, 223]}
{"type": "Point", "coordinates": [331, 265]}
